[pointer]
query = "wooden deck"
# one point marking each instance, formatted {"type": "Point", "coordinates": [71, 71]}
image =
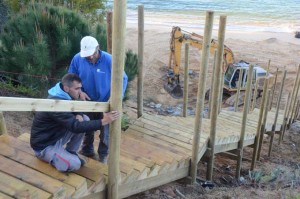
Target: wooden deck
{"type": "Point", "coordinates": [155, 150]}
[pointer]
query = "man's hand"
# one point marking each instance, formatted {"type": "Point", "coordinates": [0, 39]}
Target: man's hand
{"type": "Point", "coordinates": [110, 117]}
{"type": "Point", "coordinates": [79, 118]}
{"type": "Point", "coordinates": [84, 97]}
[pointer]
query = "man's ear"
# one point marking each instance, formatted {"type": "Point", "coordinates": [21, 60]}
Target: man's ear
{"type": "Point", "coordinates": [66, 88]}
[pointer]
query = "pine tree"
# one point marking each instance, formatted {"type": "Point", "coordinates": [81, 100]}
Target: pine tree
{"type": "Point", "coordinates": [41, 41]}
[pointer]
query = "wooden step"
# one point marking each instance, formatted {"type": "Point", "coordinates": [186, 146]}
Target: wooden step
{"type": "Point", "coordinates": [89, 178]}
{"type": "Point", "coordinates": [16, 188]}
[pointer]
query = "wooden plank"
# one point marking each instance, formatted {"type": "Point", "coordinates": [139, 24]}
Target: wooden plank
{"type": "Point", "coordinates": [33, 104]}
{"type": "Point", "coordinates": [179, 136]}
{"type": "Point", "coordinates": [146, 150]}
{"type": "Point", "coordinates": [167, 151]}
{"type": "Point", "coordinates": [149, 163]}
{"type": "Point", "coordinates": [18, 189]}
{"type": "Point", "coordinates": [92, 170]}
{"type": "Point", "coordinates": [231, 146]}
{"type": "Point", "coordinates": [3, 196]}
{"type": "Point", "coordinates": [159, 143]}
{"type": "Point", "coordinates": [35, 178]}
{"type": "Point", "coordinates": [162, 137]}
{"type": "Point", "coordinates": [149, 183]}
{"type": "Point", "coordinates": [76, 181]}
{"type": "Point", "coordinates": [182, 132]}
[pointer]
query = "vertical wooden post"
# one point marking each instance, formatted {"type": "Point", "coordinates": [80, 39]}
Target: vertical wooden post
{"type": "Point", "coordinates": [284, 118]}
{"type": "Point", "coordinates": [201, 93]}
{"type": "Point", "coordinates": [240, 83]}
{"type": "Point", "coordinates": [221, 90]}
{"type": "Point", "coordinates": [273, 89]}
{"type": "Point", "coordinates": [108, 30]}
{"type": "Point", "coordinates": [276, 114]}
{"type": "Point", "coordinates": [259, 124]}
{"type": "Point", "coordinates": [255, 95]}
{"type": "Point", "coordinates": [118, 59]}
{"type": "Point", "coordinates": [3, 129]}
{"type": "Point", "coordinates": [263, 126]}
{"type": "Point", "coordinates": [140, 82]}
{"type": "Point", "coordinates": [215, 97]}
{"type": "Point", "coordinates": [244, 122]}
{"type": "Point", "coordinates": [186, 80]}
{"type": "Point", "coordinates": [213, 75]}
{"type": "Point", "coordinates": [295, 112]}
{"type": "Point", "coordinates": [294, 97]}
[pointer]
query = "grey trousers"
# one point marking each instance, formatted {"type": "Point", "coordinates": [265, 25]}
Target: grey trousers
{"type": "Point", "coordinates": [63, 158]}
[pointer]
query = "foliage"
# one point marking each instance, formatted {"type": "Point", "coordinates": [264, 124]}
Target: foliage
{"type": "Point", "coordinates": [18, 89]}
{"type": "Point", "coordinates": [41, 41]}
{"type": "Point", "coordinates": [124, 122]}
{"type": "Point", "coordinates": [131, 69]}
{"type": "Point", "coordinates": [3, 14]}
{"type": "Point", "coordinates": [93, 10]}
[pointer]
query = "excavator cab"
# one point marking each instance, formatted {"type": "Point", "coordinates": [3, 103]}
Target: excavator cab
{"type": "Point", "coordinates": [231, 76]}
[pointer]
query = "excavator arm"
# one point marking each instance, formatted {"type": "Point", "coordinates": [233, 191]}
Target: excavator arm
{"type": "Point", "coordinates": [177, 40]}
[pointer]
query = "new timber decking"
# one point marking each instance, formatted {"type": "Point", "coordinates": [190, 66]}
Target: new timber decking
{"type": "Point", "coordinates": [155, 150]}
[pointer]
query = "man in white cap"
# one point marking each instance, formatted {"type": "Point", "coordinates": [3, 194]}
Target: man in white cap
{"type": "Point", "coordinates": [93, 66]}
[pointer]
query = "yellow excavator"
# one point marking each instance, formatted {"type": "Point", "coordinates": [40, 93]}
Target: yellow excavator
{"type": "Point", "coordinates": [177, 39]}
{"type": "Point", "coordinates": [231, 69]}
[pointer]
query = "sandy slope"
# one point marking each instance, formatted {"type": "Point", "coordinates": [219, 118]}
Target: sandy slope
{"type": "Point", "coordinates": [256, 47]}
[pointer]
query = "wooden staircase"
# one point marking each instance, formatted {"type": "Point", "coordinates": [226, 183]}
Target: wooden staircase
{"type": "Point", "coordinates": [155, 150]}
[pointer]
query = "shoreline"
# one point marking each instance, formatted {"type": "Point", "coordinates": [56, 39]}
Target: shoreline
{"type": "Point", "coordinates": [249, 36]}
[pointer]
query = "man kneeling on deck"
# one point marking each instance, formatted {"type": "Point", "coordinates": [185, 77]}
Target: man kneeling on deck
{"type": "Point", "coordinates": [52, 130]}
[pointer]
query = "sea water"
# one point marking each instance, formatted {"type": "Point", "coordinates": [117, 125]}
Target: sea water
{"type": "Point", "coordinates": [249, 15]}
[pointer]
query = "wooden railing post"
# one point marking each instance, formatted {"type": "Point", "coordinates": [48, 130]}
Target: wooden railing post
{"type": "Point", "coordinates": [186, 80]}
{"type": "Point", "coordinates": [240, 84]}
{"type": "Point", "coordinates": [215, 97]}
{"type": "Point", "coordinates": [118, 59]}
{"type": "Point", "coordinates": [273, 89]}
{"type": "Point", "coordinates": [264, 121]}
{"type": "Point", "coordinates": [277, 112]}
{"type": "Point", "coordinates": [259, 124]}
{"type": "Point", "coordinates": [108, 31]}
{"type": "Point", "coordinates": [140, 87]}
{"type": "Point", "coordinates": [244, 122]}
{"type": "Point", "coordinates": [3, 129]}
{"type": "Point", "coordinates": [294, 97]}
{"type": "Point", "coordinates": [213, 76]}
{"type": "Point", "coordinates": [284, 124]}
{"type": "Point", "coordinates": [201, 92]}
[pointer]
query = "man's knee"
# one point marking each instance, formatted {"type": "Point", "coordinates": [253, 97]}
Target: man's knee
{"type": "Point", "coordinates": [64, 164]}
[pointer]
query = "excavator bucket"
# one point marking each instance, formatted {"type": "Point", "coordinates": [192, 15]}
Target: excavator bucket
{"type": "Point", "coordinates": [174, 90]}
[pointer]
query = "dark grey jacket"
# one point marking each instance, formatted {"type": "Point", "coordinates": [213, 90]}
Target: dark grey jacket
{"type": "Point", "coordinates": [48, 127]}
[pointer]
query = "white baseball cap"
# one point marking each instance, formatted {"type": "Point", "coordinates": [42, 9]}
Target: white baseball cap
{"type": "Point", "coordinates": [88, 46]}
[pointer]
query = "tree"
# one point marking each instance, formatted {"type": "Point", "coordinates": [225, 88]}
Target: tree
{"type": "Point", "coordinates": [93, 10]}
{"type": "Point", "coordinates": [3, 14]}
{"type": "Point", "coordinates": [42, 40]}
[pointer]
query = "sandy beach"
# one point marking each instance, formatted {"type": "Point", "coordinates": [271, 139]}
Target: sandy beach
{"type": "Point", "coordinates": [283, 49]}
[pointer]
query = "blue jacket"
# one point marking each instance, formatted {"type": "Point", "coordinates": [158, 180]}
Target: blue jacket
{"type": "Point", "coordinates": [96, 78]}
{"type": "Point", "coordinates": [48, 127]}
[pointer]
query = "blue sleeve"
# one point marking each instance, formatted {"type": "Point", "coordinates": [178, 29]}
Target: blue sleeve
{"type": "Point", "coordinates": [73, 68]}
{"type": "Point", "coordinates": [125, 81]}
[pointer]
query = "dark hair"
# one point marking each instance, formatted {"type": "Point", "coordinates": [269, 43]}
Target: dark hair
{"type": "Point", "coordinates": [69, 78]}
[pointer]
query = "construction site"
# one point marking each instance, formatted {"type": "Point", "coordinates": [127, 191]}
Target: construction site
{"type": "Point", "coordinates": [245, 130]}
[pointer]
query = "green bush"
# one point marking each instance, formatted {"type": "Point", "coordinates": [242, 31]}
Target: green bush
{"type": "Point", "coordinates": [131, 69]}
{"type": "Point", "coordinates": [41, 41]}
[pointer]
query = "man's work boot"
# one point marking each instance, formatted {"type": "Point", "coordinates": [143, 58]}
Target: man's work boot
{"type": "Point", "coordinates": [103, 159]}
